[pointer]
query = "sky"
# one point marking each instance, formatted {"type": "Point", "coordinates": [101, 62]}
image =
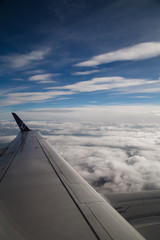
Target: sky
{"type": "Point", "coordinates": [87, 75]}
{"type": "Point", "coordinates": [65, 53]}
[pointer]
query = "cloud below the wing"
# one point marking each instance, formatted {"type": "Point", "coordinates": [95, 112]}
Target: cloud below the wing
{"type": "Point", "coordinates": [113, 156]}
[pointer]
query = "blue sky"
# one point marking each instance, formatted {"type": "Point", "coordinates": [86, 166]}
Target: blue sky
{"type": "Point", "coordinates": [65, 53]}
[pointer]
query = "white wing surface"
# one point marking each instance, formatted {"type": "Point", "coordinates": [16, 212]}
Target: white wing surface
{"type": "Point", "coordinates": [42, 197]}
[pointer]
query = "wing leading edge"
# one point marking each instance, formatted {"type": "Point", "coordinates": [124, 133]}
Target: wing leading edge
{"type": "Point", "coordinates": [42, 197]}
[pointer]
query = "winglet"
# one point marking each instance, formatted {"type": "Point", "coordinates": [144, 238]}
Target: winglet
{"type": "Point", "coordinates": [20, 123]}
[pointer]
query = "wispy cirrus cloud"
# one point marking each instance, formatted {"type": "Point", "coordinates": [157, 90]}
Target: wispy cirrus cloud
{"type": "Point", "coordinates": [43, 78]}
{"type": "Point", "coordinates": [112, 85]}
{"type": "Point", "coordinates": [36, 71]}
{"type": "Point", "coordinates": [108, 83]}
{"type": "Point", "coordinates": [17, 61]}
{"type": "Point", "coordinates": [149, 90]}
{"type": "Point", "coordinates": [139, 51]}
{"type": "Point", "coordinates": [4, 92]}
{"type": "Point", "coordinates": [85, 73]}
{"type": "Point", "coordinates": [30, 97]}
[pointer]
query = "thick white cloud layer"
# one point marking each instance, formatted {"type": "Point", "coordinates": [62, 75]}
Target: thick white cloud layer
{"type": "Point", "coordinates": [112, 157]}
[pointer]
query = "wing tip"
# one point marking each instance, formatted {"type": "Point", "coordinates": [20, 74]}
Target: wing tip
{"type": "Point", "coordinates": [23, 127]}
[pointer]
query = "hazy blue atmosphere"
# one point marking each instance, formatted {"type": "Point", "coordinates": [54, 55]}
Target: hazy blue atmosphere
{"type": "Point", "coordinates": [87, 75]}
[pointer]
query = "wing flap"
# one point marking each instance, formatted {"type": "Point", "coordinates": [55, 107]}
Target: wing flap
{"type": "Point", "coordinates": [141, 210]}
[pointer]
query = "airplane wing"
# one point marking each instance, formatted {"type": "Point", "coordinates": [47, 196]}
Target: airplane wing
{"type": "Point", "coordinates": [43, 197]}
